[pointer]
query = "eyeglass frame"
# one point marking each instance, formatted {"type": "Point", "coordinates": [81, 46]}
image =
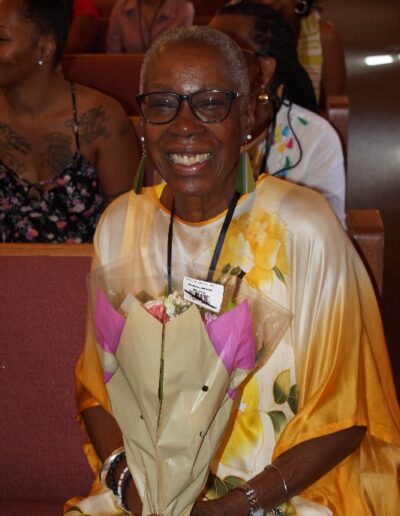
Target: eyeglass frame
{"type": "Point", "coordinates": [232, 95]}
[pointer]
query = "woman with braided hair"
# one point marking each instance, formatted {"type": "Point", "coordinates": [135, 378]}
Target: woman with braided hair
{"type": "Point", "coordinates": [288, 139]}
{"type": "Point", "coordinates": [318, 44]}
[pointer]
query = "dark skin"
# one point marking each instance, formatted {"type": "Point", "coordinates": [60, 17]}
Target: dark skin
{"type": "Point", "coordinates": [301, 466]}
{"type": "Point", "coordinates": [36, 126]}
{"type": "Point", "coordinates": [204, 192]}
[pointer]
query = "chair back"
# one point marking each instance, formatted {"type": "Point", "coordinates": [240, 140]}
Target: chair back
{"type": "Point", "coordinates": [102, 29]}
{"type": "Point", "coordinates": [116, 75]}
{"type": "Point", "coordinates": [43, 307]}
{"type": "Point", "coordinates": [105, 7]}
{"type": "Point", "coordinates": [203, 8]}
{"type": "Point", "coordinates": [337, 113]}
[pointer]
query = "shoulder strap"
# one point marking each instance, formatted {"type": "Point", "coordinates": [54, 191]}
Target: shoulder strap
{"type": "Point", "coordinates": [75, 117]}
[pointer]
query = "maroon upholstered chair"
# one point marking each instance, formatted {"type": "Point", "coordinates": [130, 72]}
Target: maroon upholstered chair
{"type": "Point", "coordinates": [203, 8]}
{"type": "Point", "coordinates": [116, 75]}
{"type": "Point", "coordinates": [105, 7]}
{"type": "Point", "coordinates": [102, 29]}
{"type": "Point", "coordinates": [43, 306]}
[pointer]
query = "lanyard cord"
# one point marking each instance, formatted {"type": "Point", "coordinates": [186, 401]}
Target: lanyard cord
{"type": "Point", "coordinates": [218, 246]}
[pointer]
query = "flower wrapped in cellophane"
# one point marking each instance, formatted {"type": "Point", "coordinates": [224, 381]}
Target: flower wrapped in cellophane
{"type": "Point", "coordinates": [172, 364]}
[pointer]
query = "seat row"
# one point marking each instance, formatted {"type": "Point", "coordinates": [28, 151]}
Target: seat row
{"type": "Point", "coordinates": [202, 8]}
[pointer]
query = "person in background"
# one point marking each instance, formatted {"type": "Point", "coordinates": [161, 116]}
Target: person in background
{"type": "Point", "coordinates": [65, 150]}
{"type": "Point", "coordinates": [288, 140]}
{"type": "Point", "coordinates": [319, 47]}
{"type": "Point", "coordinates": [135, 24]}
{"type": "Point", "coordinates": [83, 31]}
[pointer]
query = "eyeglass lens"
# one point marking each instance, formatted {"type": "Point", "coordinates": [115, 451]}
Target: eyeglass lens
{"type": "Point", "coordinates": [208, 106]}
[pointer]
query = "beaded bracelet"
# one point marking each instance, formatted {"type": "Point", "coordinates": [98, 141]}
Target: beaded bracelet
{"type": "Point", "coordinates": [107, 470]}
{"type": "Point", "coordinates": [123, 481]}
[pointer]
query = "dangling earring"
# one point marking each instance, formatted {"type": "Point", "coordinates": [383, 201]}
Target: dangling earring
{"type": "Point", "coordinates": [301, 8]}
{"type": "Point", "coordinates": [141, 171]}
{"type": "Point", "coordinates": [40, 62]}
{"type": "Point", "coordinates": [244, 182]}
{"type": "Point", "coordinates": [263, 97]}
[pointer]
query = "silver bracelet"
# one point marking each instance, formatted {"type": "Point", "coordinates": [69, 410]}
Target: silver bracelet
{"type": "Point", "coordinates": [108, 463]}
{"type": "Point", "coordinates": [125, 476]}
{"type": "Point", "coordinates": [276, 510]}
{"type": "Point", "coordinates": [255, 507]}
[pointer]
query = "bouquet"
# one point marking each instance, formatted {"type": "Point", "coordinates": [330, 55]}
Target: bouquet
{"type": "Point", "coordinates": [172, 365]}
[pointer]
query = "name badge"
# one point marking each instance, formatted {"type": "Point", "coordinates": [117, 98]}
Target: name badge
{"type": "Point", "coordinates": [203, 293]}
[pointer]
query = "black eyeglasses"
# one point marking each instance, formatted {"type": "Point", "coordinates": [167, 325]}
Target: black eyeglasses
{"type": "Point", "coordinates": [209, 106]}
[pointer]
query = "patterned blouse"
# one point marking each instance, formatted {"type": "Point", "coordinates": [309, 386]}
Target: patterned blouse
{"type": "Point", "coordinates": [67, 212]}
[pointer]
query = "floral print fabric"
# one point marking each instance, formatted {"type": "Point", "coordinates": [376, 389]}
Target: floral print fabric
{"type": "Point", "coordinates": [329, 372]}
{"type": "Point", "coordinates": [66, 212]}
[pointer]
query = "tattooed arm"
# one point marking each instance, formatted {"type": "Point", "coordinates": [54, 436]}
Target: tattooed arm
{"type": "Point", "coordinates": [106, 129]}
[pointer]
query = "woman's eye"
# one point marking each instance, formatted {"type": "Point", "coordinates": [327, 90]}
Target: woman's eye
{"type": "Point", "coordinates": [211, 102]}
{"type": "Point", "coordinates": [162, 103]}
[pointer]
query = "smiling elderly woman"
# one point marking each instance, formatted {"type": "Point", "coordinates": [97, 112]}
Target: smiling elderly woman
{"type": "Point", "coordinates": [325, 394]}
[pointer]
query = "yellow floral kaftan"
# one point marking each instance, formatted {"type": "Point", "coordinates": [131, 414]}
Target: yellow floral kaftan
{"type": "Point", "coordinates": [329, 372]}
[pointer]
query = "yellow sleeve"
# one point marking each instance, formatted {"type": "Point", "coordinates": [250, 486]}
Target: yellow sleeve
{"type": "Point", "coordinates": [344, 375]}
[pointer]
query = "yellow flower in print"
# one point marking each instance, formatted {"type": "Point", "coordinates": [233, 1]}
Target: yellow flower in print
{"type": "Point", "coordinates": [247, 434]}
{"type": "Point", "coordinates": [256, 244]}
{"type": "Point", "coordinates": [239, 252]}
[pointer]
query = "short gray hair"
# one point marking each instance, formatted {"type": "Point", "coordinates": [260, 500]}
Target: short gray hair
{"type": "Point", "coordinates": [228, 48]}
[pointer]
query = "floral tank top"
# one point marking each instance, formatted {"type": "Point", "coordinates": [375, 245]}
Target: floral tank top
{"type": "Point", "coordinates": [67, 212]}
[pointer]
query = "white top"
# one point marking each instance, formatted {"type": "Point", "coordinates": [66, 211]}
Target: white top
{"type": "Point", "coordinates": [306, 150]}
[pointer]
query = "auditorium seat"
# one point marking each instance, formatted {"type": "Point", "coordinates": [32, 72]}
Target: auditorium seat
{"type": "Point", "coordinates": [105, 7]}
{"type": "Point", "coordinates": [115, 74]}
{"type": "Point", "coordinates": [43, 306]}
{"type": "Point", "coordinates": [102, 29]}
{"type": "Point", "coordinates": [338, 112]}
{"type": "Point", "coordinates": [207, 8]}
{"type": "Point", "coordinates": [367, 231]}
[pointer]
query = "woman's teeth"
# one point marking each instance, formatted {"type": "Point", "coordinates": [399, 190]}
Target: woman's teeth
{"type": "Point", "coordinates": [184, 159]}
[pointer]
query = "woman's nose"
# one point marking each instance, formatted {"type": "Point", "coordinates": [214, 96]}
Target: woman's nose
{"type": "Point", "coordinates": [186, 122]}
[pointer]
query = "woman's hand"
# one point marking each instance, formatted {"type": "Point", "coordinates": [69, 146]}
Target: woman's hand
{"type": "Point", "coordinates": [133, 500]}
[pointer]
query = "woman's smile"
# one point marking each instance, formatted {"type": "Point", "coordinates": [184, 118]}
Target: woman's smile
{"type": "Point", "coordinates": [188, 160]}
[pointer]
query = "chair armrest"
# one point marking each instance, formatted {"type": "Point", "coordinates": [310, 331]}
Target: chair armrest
{"type": "Point", "coordinates": [366, 229]}
{"type": "Point", "coordinates": [337, 113]}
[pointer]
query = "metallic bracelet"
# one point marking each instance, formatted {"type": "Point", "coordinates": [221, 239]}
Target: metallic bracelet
{"type": "Point", "coordinates": [109, 466]}
{"type": "Point", "coordinates": [124, 478]}
{"type": "Point", "coordinates": [285, 487]}
{"type": "Point", "coordinates": [276, 510]}
{"type": "Point", "coordinates": [255, 507]}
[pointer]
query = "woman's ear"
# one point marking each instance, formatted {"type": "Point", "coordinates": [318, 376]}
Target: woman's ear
{"type": "Point", "coordinates": [47, 48]}
{"type": "Point", "coordinates": [268, 67]}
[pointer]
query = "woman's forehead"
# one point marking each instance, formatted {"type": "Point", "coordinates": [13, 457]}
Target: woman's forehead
{"type": "Point", "coordinates": [181, 63]}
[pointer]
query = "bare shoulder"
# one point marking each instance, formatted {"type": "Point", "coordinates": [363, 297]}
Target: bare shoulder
{"type": "Point", "coordinates": [89, 98]}
{"type": "Point", "coordinates": [100, 117]}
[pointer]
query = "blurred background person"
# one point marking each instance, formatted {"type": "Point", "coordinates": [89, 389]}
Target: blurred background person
{"type": "Point", "coordinates": [135, 24]}
{"type": "Point", "coordinates": [65, 150]}
{"type": "Point", "coordinates": [83, 31]}
{"type": "Point", "coordinates": [319, 47]}
{"type": "Point", "coordinates": [288, 139]}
